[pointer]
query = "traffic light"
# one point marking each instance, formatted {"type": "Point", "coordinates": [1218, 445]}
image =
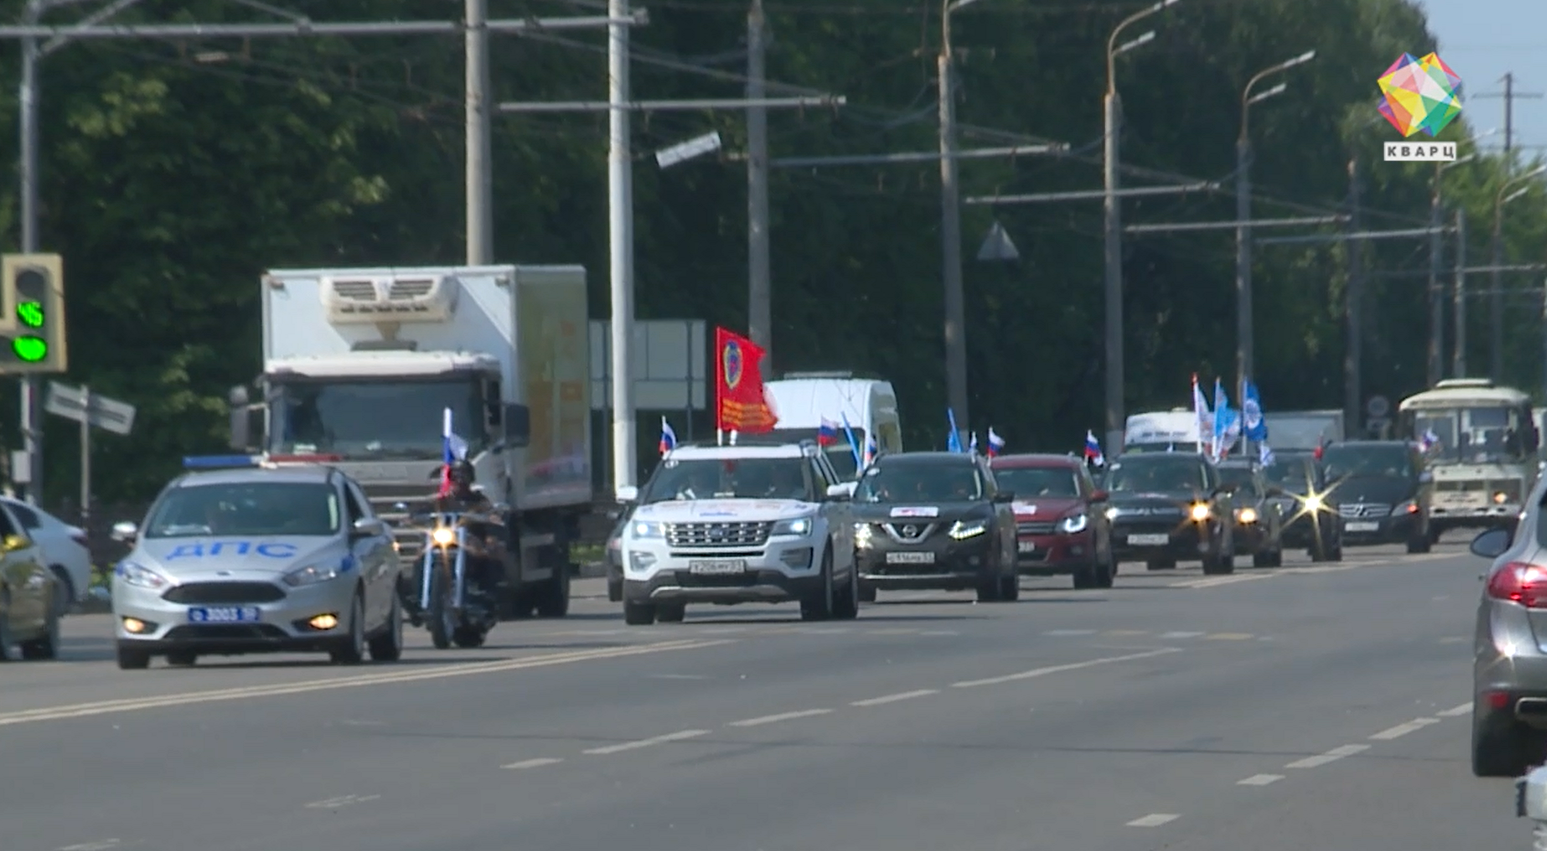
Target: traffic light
{"type": "Point", "coordinates": [32, 331]}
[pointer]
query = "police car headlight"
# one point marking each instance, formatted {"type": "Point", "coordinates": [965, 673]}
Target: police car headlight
{"type": "Point", "coordinates": [311, 575]}
{"type": "Point", "coordinates": [140, 576]}
{"type": "Point", "coordinates": [444, 536]}
{"type": "Point", "coordinates": [1074, 523]}
{"type": "Point", "coordinates": [797, 526]}
{"type": "Point", "coordinates": [644, 529]}
{"type": "Point", "coordinates": [964, 529]}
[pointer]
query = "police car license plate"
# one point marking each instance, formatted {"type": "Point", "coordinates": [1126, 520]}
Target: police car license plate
{"type": "Point", "coordinates": [225, 614]}
{"type": "Point", "coordinates": [1148, 540]}
{"type": "Point", "coordinates": [1027, 547]}
{"type": "Point", "coordinates": [910, 558]}
{"type": "Point", "coordinates": [1361, 526]}
{"type": "Point", "coordinates": [717, 567]}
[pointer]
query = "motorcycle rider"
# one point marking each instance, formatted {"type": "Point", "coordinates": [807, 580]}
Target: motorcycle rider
{"type": "Point", "coordinates": [482, 538]}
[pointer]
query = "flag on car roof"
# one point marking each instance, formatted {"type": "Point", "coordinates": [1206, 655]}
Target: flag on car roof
{"type": "Point", "coordinates": [668, 437]}
{"type": "Point", "coordinates": [827, 433]}
{"type": "Point", "coordinates": [995, 442]}
{"type": "Point", "coordinates": [1093, 454]}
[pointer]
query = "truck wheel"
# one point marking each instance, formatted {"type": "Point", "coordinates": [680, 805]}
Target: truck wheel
{"type": "Point", "coordinates": [638, 614]}
{"type": "Point", "coordinates": [553, 596]}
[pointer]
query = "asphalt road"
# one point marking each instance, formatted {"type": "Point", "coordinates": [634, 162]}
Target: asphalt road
{"type": "Point", "coordinates": [1274, 710]}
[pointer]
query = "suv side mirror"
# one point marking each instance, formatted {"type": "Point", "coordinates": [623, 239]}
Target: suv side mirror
{"type": "Point", "coordinates": [1004, 497]}
{"type": "Point", "coordinates": [125, 532]}
{"type": "Point", "coordinates": [516, 426]}
{"type": "Point", "coordinates": [367, 527]}
{"type": "Point", "coordinates": [628, 494]}
{"type": "Point", "coordinates": [1491, 544]}
{"type": "Point", "coordinates": [1274, 490]}
{"type": "Point", "coordinates": [842, 492]}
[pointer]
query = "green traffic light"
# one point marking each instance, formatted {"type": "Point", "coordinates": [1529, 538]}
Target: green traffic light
{"type": "Point", "coordinates": [30, 349]}
{"type": "Point", "coordinates": [30, 313]}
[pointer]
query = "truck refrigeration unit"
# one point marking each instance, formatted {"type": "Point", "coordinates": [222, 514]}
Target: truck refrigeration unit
{"type": "Point", "coordinates": [360, 364]}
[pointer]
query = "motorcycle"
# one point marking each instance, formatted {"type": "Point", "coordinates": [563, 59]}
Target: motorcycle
{"type": "Point", "coordinates": [440, 596]}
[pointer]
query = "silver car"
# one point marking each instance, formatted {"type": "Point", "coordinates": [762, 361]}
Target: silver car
{"type": "Point", "coordinates": [1509, 671]}
{"type": "Point", "coordinates": [258, 560]}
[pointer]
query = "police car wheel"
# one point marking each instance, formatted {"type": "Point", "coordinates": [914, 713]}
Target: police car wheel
{"type": "Point", "coordinates": [351, 650]}
{"type": "Point", "coordinates": [181, 658]}
{"type": "Point", "coordinates": [5, 635]}
{"type": "Point", "coordinates": [132, 658]}
{"type": "Point", "coordinates": [388, 646]}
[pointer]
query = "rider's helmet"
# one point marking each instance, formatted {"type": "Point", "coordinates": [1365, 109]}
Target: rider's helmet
{"type": "Point", "coordinates": [462, 473]}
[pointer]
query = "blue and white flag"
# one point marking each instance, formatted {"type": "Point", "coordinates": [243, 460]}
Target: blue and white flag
{"type": "Point", "coordinates": [953, 443]}
{"type": "Point", "coordinates": [1255, 427]}
{"type": "Point", "coordinates": [1264, 455]}
{"type": "Point", "coordinates": [1227, 422]}
{"type": "Point", "coordinates": [853, 443]}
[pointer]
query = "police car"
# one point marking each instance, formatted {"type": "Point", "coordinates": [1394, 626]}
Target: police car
{"type": "Point", "coordinates": [270, 557]}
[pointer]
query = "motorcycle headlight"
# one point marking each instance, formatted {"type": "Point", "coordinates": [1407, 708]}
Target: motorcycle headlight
{"type": "Point", "coordinates": [862, 533]}
{"type": "Point", "coordinates": [444, 536]}
{"type": "Point", "coordinates": [312, 574]}
{"type": "Point", "coordinates": [964, 529]}
{"type": "Point", "coordinates": [797, 526]}
{"type": "Point", "coordinates": [1073, 523]}
{"type": "Point", "coordinates": [1200, 511]}
{"type": "Point", "coordinates": [1247, 515]}
{"type": "Point", "coordinates": [140, 576]}
{"type": "Point", "coordinates": [646, 529]}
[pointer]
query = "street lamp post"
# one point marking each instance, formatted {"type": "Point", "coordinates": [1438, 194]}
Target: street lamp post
{"type": "Point", "coordinates": [1436, 360]}
{"type": "Point", "coordinates": [951, 229]}
{"type": "Point", "coordinates": [1112, 247]}
{"type": "Point", "coordinates": [1496, 294]}
{"type": "Point", "coordinates": [1243, 213]}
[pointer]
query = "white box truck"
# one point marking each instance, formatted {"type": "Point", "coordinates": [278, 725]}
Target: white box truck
{"type": "Point", "coordinates": [359, 365]}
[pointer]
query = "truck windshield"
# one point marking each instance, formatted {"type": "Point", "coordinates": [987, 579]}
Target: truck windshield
{"type": "Point", "coordinates": [729, 478]}
{"type": "Point", "coordinates": [364, 418]}
{"type": "Point", "coordinates": [1489, 435]}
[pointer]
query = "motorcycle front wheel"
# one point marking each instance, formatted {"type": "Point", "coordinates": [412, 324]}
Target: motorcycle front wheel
{"type": "Point", "coordinates": [442, 616]}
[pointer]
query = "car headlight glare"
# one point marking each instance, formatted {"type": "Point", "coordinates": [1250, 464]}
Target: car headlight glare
{"type": "Point", "coordinates": [1408, 507]}
{"type": "Point", "coordinates": [1200, 511]}
{"type": "Point", "coordinates": [1314, 503]}
{"type": "Point", "coordinates": [140, 576]}
{"type": "Point", "coordinates": [1073, 523]}
{"type": "Point", "coordinates": [312, 574]}
{"type": "Point", "coordinates": [444, 536]}
{"type": "Point", "coordinates": [964, 529]}
{"type": "Point", "coordinates": [862, 534]}
{"type": "Point", "coordinates": [1111, 514]}
{"type": "Point", "coordinates": [797, 526]}
{"type": "Point", "coordinates": [645, 529]}
{"type": "Point", "coordinates": [1247, 515]}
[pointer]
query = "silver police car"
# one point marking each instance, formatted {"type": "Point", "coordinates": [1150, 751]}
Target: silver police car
{"type": "Point", "coordinates": [264, 559]}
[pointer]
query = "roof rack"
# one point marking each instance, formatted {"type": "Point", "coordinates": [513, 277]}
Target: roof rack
{"type": "Point", "coordinates": [749, 440]}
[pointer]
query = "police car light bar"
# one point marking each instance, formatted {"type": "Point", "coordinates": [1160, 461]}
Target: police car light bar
{"type": "Point", "coordinates": [217, 462]}
{"type": "Point", "coordinates": [304, 459]}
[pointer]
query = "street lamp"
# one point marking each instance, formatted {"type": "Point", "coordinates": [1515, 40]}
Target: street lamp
{"type": "Point", "coordinates": [1243, 213]}
{"type": "Point", "coordinates": [1496, 294]}
{"type": "Point", "coordinates": [1113, 229]}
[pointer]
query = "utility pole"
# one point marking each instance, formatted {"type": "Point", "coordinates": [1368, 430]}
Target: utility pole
{"type": "Point", "coordinates": [759, 282]}
{"type": "Point", "coordinates": [1458, 302]}
{"type": "Point", "coordinates": [1353, 348]}
{"type": "Point", "coordinates": [479, 176]}
{"type": "Point", "coordinates": [951, 237]}
{"type": "Point", "coordinates": [1509, 96]}
{"type": "Point", "coordinates": [620, 231]}
{"type": "Point", "coordinates": [1435, 361]}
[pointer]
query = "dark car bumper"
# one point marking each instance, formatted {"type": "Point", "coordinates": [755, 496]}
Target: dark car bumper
{"type": "Point", "coordinates": [1253, 538]}
{"type": "Point", "coordinates": [1367, 531]}
{"type": "Point", "coordinates": [232, 640]}
{"type": "Point", "coordinates": [1301, 531]}
{"type": "Point", "coordinates": [1055, 554]}
{"type": "Point", "coordinates": [754, 586]}
{"type": "Point", "coordinates": [940, 563]}
{"type": "Point", "coordinates": [1184, 541]}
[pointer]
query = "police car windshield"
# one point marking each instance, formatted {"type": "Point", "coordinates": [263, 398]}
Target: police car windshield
{"type": "Point", "coordinates": [1026, 482]}
{"type": "Point", "coordinates": [259, 508]}
{"type": "Point", "coordinates": [375, 418]}
{"type": "Point", "coordinates": [924, 483]}
{"type": "Point", "coordinates": [729, 478]}
{"type": "Point", "coordinates": [1157, 473]}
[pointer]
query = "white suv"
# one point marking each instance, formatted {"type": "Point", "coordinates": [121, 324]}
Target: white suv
{"type": "Point", "coordinates": [740, 524]}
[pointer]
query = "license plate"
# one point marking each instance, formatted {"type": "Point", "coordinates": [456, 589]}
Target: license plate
{"type": "Point", "coordinates": [224, 614]}
{"type": "Point", "coordinates": [1148, 540]}
{"type": "Point", "coordinates": [910, 558]}
{"type": "Point", "coordinates": [1361, 526]}
{"type": "Point", "coordinates": [1027, 547]}
{"type": "Point", "coordinates": [718, 567]}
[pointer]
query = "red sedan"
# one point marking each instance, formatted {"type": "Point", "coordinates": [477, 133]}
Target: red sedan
{"type": "Point", "coordinates": [1060, 518]}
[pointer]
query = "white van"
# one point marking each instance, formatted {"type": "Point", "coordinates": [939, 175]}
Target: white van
{"type": "Point", "coordinates": [803, 399]}
{"type": "Point", "coordinates": [1162, 431]}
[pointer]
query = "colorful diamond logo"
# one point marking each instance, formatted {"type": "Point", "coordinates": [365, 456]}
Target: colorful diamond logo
{"type": "Point", "coordinates": [1420, 94]}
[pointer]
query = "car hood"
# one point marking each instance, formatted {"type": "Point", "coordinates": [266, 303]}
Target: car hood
{"type": "Point", "coordinates": [1129, 499]}
{"type": "Point", "coordinates": [919, 512]}
{"type": "Point", "coordinates": [1046, 507]}
{"type": "Point", "coordinates": [706, 510]}
{"type": "Point", "coordinates": [1383, 490]}
{"type": "Point", "coordinates": [226, 558]}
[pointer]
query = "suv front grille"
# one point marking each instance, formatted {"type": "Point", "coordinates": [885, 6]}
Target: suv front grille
{"type": "Point", "coordinates": [201, 593]}
{"type": "Point", "coordinates": [1036, 528]}
{"type": "Point", "coordinates": [717, 534]}
{"type": "Point", "coordinates": [1359, 509]}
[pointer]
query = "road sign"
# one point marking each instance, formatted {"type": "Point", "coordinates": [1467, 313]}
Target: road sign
{"type": "Point", "coordinates": [1377, 406]}
{"type": "Point", "coordinates": [83, 406]}
{"type": "Point", "coordinates": [683, 151]}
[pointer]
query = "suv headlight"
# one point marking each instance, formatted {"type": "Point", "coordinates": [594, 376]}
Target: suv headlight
{"type": "Point", "coordinates": [1409, 507]}
{"type": "Point", "coordinates": [796, 526]}
{"type": "Point", "coordinates": [961, 530]}
{"type": "Point", "coordinates": [1246, 515]}
{"type": "Point", "coordinates": [1314, 503]}
{"type": "Point", "coordinates": [1200, 511]}
{"type": "Point", "coordinates": [312, 574]}
{"type": "Point", "coordinates": [140, 576]}
{"type": "Point", "coordinates": [1112, 513]}
{"type": "Point", "coordinates": [862, 534]}
{"type": "Point", "coordinates": [646, 529]}
{"type": "Point", "coordinates": [1074, 523]}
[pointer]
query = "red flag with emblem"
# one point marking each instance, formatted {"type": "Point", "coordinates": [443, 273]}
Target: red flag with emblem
{"type": "Point", "coordinates": [740, 403]}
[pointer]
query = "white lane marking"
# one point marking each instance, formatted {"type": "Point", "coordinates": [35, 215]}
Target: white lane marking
{"type": "Point", "coordinates": [1058, 669]}
{"type": "Point", "coordinates": [1181, 634]}
{"type": "Point", "coordinates": [1260, 780]}
{"type": "Point", "coordinates": [101, 845]}
{"type": "Point", "coordinates": [1456, 711]}
{"type": "Point", "coordinates": [893, 698]}
{"type": "Point", "coordinates": [678, 677]}
{"type": "Point", "coordinates": [1330, 756]}
{"type": "Point", "coordinates": [774, 719]}
{"type": "Point", "coordinates": [341, 801]}
{"type": "Point", "coordinates": [939, 632]}
{"type": "Point", "coordinates": [532, 763]}
{"type": "Point", "coordinates": [80, 710]}
{"type": "Point", "coordinates": [1154, 820]}
{"type": "Point", "coordinates": [891, 632]}
{"type": "Point", "coordinates": [1069, 632]}
{"type": "Point", "coordinates": [818, 630]}
{"type": "Point", "coordinates": [678, 736]}
{"type": "Point", "coordinates": [1216, 581]}
{"type": "Point", "coordinates": [1403, 729]}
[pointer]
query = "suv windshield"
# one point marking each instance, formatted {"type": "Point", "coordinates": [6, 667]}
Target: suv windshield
{"type": "Point", "coordinates": [1244, 480]}
{"type": "Point", "coordinates": [260, 508]}
{"type": "Point", "coordinates": [1295, 476]}
{"type": "Point", "coordinates": [729, 478]}
{"type": "Point", "coordinates": [1157, 473]}
{"type": "Point", "coordinates": [920, 483]}
{"type": "Point", "coordinates": [1026, 482]}
{"type": "Point", "coordinates": [1390, 461]}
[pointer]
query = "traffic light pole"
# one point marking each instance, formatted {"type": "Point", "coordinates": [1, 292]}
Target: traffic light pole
{"type": "Point", "coordinates": [31, 419]}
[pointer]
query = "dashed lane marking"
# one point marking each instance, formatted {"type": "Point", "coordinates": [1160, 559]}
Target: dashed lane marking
{"type": "Point", "coordinates": [774, 719]}
{"type": "Point", "coordinates": [102, 845]}
{"type": "Point", "coordinates": [1216, 581]}
{"type": "Point", "coordinates": [1260, 780]}
{"type": "Point", "coordinates": [1330, 756]}
{"type": "Point", "coordinates": [680, 735]}
{"type": "Point", "coordinates": [1403, 729]}
{"type": "Point", "coordinates": [532, 763]}
{"type": "Point", "coordinates": [1126, 632]}
{"type": "Point", "coordinates": [1456, 711]}
{"type": "Point", "coordinates": [893, 698]}
{"type": "Point", "coordinates": [1073, 666]}
{"type": "Point", "coordinates": [1180, 634]}
{"type": "Point", "coordinates": [341, 801]}
{"type": "Point", "coordinates": [1069, 632]}
{"type": "Point", "coordinates": [1154, 820]}
{"type": "Point", "coordinates": [892, 631]}
{"type": "Point", "coordinates": [1229, 636]}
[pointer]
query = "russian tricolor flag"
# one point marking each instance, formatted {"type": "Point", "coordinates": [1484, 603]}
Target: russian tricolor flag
{"type": "Point", "coordinates": [453, 449]}
{"type": "Point", "coordinates": [995, 442]}
{"type": "Point", "coordinates": [871, 450]}
{"type": "Point", "coordinates": [668, 437]}
{"type": "Point", "coordinates": [1093, 450]}
{"type": "Point", "coordinates": [827, 433]}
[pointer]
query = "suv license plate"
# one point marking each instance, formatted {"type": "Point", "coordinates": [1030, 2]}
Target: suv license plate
{"type": "Point", "coordinates": [1361, 526]}
{"type": "Point", "coordinates": [718, 567]}
{"type": "Point", "coordinates": [1027, 547]}
{"type": "Point", "coordinates": [1148, 540]}
{"type": "Point", "coordinates": [910, 558]}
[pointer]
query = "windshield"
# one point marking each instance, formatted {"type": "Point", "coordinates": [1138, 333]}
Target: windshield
{"type": "Point", "coordinates": [1471, 435]}
{"type": "Point", "coordinates": [1027, 482]}
{"type": "Point", "coordinates": [1342, 462]}
{"type": "Point", "coordinates": [260, 508]}
{"type": "Point", "coordinates": [1293, 476]}
{"type": "Point", "coordinates": [924, 483]}
{"type": "Point", "coordinates": [729, 478]}
{"type": "Point", "coordinates": [376, 419]}
{"type": "Point", "coordinates": [1242, 478]}
{"type": "Point", "coordinates": [1157, 473]}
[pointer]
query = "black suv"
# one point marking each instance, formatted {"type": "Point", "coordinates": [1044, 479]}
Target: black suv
{"type": "Point", "coordinates": [1257, 524]}
{"type": "Point", "coordinates": [1382, 491]}
{"type": "Point", "coordinates": [935, 520]}
{"type": "Point", "coordinates": [1309, 515]}
{"type": "Point", "coordinates": [1167, 507]}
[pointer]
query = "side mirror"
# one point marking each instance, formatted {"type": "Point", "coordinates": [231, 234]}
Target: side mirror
{"type": "Point", "coordinates": [367, 527]}
{"type": "Point", "coordinates": [125, 532]}
{"type": "Point", "coordinates": [1004, 497]}
{"type": "Point", "coordinates": [241, 421]}
{"type": "Point", "coordinates": [516, 426]}
{"type": "Point", "coordinates": [1425, 477]}
{"type": "Point", "coordinates": [1100, 496]}
{"type": "Point", "coordinates": [1491, 544]}
{"type": "Point", "coordinates": [1274, 490]}
{"type": "Point", "coordinates": [842, 492]}
{"type": "Point", "coordinates": [628, 494]}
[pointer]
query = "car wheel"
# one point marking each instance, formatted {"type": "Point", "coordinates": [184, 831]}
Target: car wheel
{"type": "Point", "coordinates": [638, 614]}
{"type": "Point", "coordinates": [675, 613]}
{"type": "Point", "coordinates": [867, 593]}
{"type": "Point", "coordinates": [65, 596]}
{"type": "Point", "coordinates": [182, 658]}
{"type": "Point", "coordinates": [1418, 544]}
{"type": "Point", "coordinates": [132, 658]}
{"type": "Point", "coordinates": [1262, 559]}
{"type": "Point", "coordinates": [1499, 747]}
{"type": "Point", "coordinates": [1010, 587]}
{"type": "Point", "coordinates": [1108, 573]}
{"type": "Point", "coordinates": [47, 645]}
{"type": "Point", "coordinates": [388, 646]}
{"type": "Point", "coordinates": [351, 650]}
{"type": "Point", "coordinates": [846, 604]}
{"type": "Point", "coordinates": [1086, 576]}
{"type": "Point", "coordinates": [614, 590]}
{"type": "Point", "coordinates": [819, 606]}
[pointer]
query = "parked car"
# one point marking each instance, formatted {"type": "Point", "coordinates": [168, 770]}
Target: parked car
{"type": "Point", "coordinates": [1309, 517]}
{"type": "Point", "coordinates": [66, 550]}
{"type": "Point", "coordinates": [1167, 507]}
{"type": "Point", "coordinates": [1509, 668]}
{"type": "Point", "coordinates": [1257, 529]}
{"type": "Point", "coordinates": [29, 615]}
{"type": "Point", "coordinates": [1383, 492]}
{"type": "Point", "coordinates": [1060, 522]}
